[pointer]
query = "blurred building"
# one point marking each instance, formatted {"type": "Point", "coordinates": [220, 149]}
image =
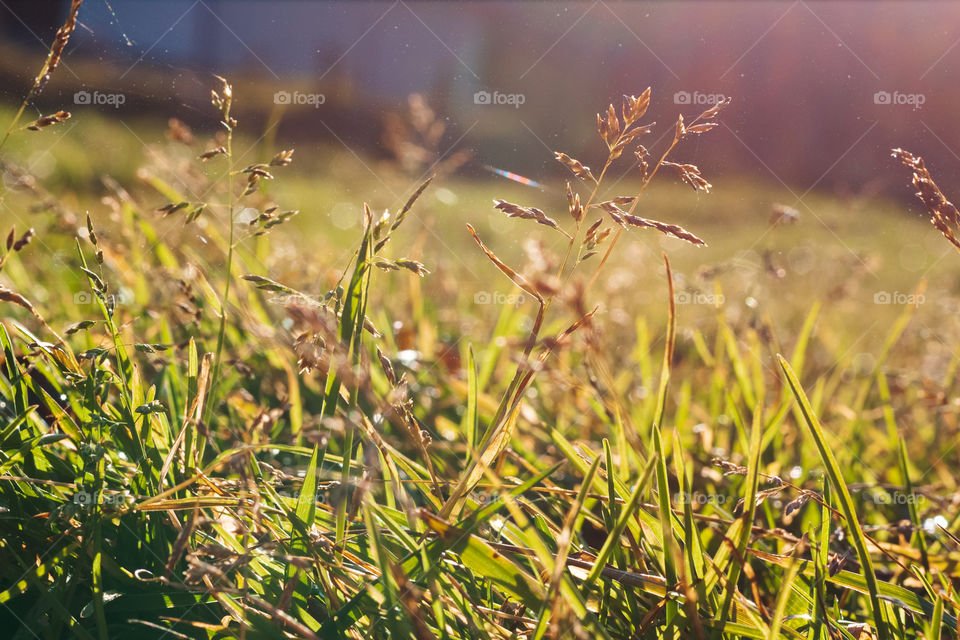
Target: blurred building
{"type": "Point", "coordinates": [817, 85]}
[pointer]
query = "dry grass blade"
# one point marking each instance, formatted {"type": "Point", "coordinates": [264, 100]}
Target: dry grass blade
{"type": "Point", "coordinates": [943, 214]}
{"type": "Point", "coordinates": [562, 337]}
{"type": "Point", "coordinates": [6, 295]}
{"type": "Point", "coordinates": [517, 279]}
{"type": "Point", "coordinates": [528, 213]}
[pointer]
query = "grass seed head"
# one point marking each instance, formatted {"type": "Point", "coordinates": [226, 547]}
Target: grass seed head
{"type": "Point", "coordinates": [60, 41]}
{"type": "Point", "coordinates": [943, 214]}
{"type": "Point", "coordinates": [45, 121]}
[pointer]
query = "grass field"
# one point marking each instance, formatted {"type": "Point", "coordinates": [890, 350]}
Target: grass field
{"type": "Point", "coordinates": [222, 420]}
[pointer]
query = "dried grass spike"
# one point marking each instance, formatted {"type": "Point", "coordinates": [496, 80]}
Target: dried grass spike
{"type": "Point", "coordinates": [45, 121]}
{"type": "Point", "coordinates": [715, 109]}
{"type": "Point", "coordinates": [385, 265]}
{"type": "Point", "coordinates": [730, 468]}
{"type": "Point", "coordinates": [573, 203]}
{"type": "Point", "coordinates": [691, 175]}
{"type": "Point", "coordinates": [206, 155]}
{"type": "Point", "coordinates": [91, 233]}
{"type": "Point", "coordinates": [665, 228]}
{"type": "Point", "coordinates": [282, 159]}
{"type": "Point", "coordinates": [679, 131]}
{"type": "Point", "coordinates": [943, 214]}
{"type": "Point", "coordinates": [173, 207]}
{"type": "Point", "coordinates": [592, 230]}
{"type": "Point", "coordinates": [578, 168]}
{"type": "Point", "coordinates": [24, 239]}
{"type": "Point", "coordinates": [387, 367]}
{"type": "Point", "coordinates": [412, 266]}
{"type": "Point", "coordinates": [609, 126]}
{"type": "Point", "coordinates": [56, 51]}
{"type": "Point", "coordinates": [643, 161]}
{"type": "Point", "coordinates": [703, 127]}
{"type": "Point", "coordinates": [527, 213]}
{"type": "Point", "coordinates": [635, 106]}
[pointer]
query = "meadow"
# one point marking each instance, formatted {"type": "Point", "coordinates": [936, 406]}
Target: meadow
{"type": "Point", "coordinates": [255, 391]}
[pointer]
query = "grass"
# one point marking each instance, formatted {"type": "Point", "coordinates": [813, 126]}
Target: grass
{"type": "Point", "coordinates": [257, 424]}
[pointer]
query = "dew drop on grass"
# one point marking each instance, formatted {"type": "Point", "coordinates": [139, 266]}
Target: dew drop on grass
{"type": "Point", "coordinates": [344, 215]}
{"type": "Point", "coordinates": [246, 215]}
{"type": "Point", "coordinates": [930, 525]}
{"type": "Point", "coordinates": [446, 196]}
{"type": "Point", "coordinates": [408, 357]}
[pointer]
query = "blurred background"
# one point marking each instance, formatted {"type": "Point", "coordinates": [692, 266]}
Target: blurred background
{"type": "Point", "coordinates": [822, 89]}
{"type": "Point", "coordinates": [376, 95]}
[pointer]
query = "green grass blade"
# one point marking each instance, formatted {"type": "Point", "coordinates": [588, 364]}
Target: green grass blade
{"type": "Point", "coordinates": [936, 621]}
{"type": "Point", "coordinates": [670, 551]}
{"type": "Point", "coordinates": [843, 496]}
{"type": "Point", "coordinates": [627, 513]}
{"type": "Point", "coordinates": [746, 520]}
{"type": "Point", "coordinates": [786, 588]}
